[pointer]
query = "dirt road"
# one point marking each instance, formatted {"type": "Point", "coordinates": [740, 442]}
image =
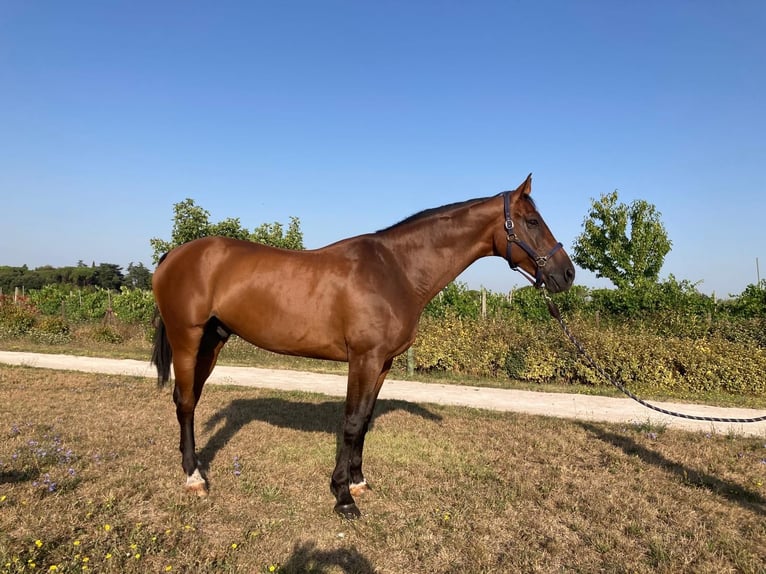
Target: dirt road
{"type": "Point", "coordinates": [582, 407]}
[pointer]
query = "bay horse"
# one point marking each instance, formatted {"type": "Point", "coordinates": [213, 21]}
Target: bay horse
{"type": "Point", "coordinates": [357, 300]}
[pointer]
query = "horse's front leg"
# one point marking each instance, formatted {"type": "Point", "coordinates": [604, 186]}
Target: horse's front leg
{"type": "Point", "coordinates": [359, 485]}
{"type": "Point", "coordinates": [364, 381]}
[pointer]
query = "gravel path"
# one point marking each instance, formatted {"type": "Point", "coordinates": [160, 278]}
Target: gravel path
{"type": "Point", "coordinates": [581, 407]}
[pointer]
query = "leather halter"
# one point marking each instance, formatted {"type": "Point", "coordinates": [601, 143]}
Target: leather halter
{"type": "Point", "coordinates": [538, 260]}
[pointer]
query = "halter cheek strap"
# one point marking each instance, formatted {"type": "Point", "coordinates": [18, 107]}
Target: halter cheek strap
{"type": "Point", "coordinates": [539, 260]}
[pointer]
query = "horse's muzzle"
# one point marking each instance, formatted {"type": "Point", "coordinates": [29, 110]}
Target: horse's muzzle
{"type": "Point", "coordinates": [559, 278]}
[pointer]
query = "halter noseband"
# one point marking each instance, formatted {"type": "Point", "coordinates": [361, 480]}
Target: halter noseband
{"type": "Point", "coordinates": [539, 260]}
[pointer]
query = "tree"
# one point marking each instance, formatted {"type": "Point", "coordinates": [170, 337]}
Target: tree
{"type": "Point", "coordinates": [138, 276]}
{"type": "Point", "coordinates": [626, 244]}
{"type": "Point", "coordinates": [274, 235]}
{"type": "Point", "coordinates": [107, 276]}
{"type": "Point", "coordinates": [190, 221]}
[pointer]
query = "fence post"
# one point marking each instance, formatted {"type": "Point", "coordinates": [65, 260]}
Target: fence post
{"type": "Point", "coordinates": [410, 362]}
{"type": "Point", "coordinates": [109, 315]}
{"type": "Point", "coordinates": [15, 294]}
{"type": "Point", "coordinates": [483, 303]}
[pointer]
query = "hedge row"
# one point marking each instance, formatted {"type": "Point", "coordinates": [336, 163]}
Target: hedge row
{"type": "Point", "coordinates": [726, 355]}
{"type": "Point", "coordinates": [48, 315]}
{"type": "Point", "coordinates": [77, 305]}
{"type": "Point", "coordinates": [539, 353]}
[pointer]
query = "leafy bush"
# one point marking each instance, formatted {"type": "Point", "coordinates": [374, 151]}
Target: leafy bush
{"type": "Point", "coordinates": [72, 303]}
{"type": "Point", "coordinates": [642, 361]}
{"type": "Point", "coordinates": [133, 305]}
{"type": "Point", "coordinates": [538, 352]}
{"type": "Point", "coordinates": [107, 334]}
{"type": "Point", "coordinates": [16, 319]}
{"type": "Point", "coordinates": [751, 302]}
{"type": "Point", "coordinates": [455, 299]}
{"type": "Point", "coordinates": [650, 300]}
{"type": "Point", "coordinates": [51, 330]}
{"type": "Point", "coordinates": [470, 346]}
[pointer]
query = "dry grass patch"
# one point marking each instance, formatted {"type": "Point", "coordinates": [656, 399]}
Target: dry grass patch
{"type": "Point", "coordinates": [90, 479]}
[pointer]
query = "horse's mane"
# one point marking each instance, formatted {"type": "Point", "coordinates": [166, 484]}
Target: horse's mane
{"type": "Point", "coordinates": [444, 208]}
{"type": "Point", "coordinates": [426, 213]}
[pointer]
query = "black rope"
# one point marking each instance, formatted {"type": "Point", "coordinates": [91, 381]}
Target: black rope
{"type": "Point", "coordinates": [556, 314]}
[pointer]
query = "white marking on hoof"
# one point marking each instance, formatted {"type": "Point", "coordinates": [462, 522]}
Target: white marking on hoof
{"type": "Point", "coordinates": [196, 483]}
{"type": "Point", "coordinates": [359, 488]}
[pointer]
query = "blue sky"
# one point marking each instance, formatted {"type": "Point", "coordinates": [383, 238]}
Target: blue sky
{"type": "Point", "coordinates": [353, 115]}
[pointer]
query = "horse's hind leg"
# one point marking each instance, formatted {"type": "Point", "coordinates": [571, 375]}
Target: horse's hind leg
{"type": "Point", "coordinates": [192, 368]}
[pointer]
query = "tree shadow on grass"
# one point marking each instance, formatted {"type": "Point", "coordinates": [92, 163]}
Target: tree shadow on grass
{"type": "Point", "coordinates": [324, 417]}
{"type": "Point", "coordinates": [306, 557]}
{"type": "Point", "coordinates": [746, 498]}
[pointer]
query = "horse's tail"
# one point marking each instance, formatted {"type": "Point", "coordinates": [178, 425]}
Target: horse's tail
{"type": "Point", "coordinates": [162, 354]}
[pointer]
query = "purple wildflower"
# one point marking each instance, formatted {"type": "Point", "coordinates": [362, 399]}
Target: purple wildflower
{"type": "Point", "coordinates": [237, 467]}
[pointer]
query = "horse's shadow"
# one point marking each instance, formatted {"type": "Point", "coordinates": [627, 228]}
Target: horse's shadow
{"type": "Point", "coordinates": [325, 417]}
{"type": "Point", "coordinates": [307, 557]}
{"type": "Point", "coordinates": [736, 493]}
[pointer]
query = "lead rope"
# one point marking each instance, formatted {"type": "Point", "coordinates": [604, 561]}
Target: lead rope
{"type": "Point", "coordinates": [556, 314]}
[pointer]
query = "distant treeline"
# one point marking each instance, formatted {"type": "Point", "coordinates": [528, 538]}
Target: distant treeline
{"type": "Point", "coordinates": [104, 275]}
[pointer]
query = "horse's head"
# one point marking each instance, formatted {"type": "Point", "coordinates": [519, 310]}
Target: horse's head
{"type": "Point", "coordinates": [528, 245]}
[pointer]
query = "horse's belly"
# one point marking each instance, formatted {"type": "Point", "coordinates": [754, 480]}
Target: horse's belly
{"type": "Point", "coordinates": [291, 334]}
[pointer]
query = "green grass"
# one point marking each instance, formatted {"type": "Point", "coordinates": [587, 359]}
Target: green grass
{"type": "Point", "coordinates": [90, 479]}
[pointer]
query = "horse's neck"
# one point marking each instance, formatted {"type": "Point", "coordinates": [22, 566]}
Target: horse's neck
{"type": "Point", "coordinates": [436, 249]}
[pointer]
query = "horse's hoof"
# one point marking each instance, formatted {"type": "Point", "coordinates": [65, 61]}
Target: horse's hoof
{"type": "Point", "coordinates": [359, 488]}
{"type": "Point", "coordinates": [196, 484]}
{"type": "Point", "coordinates": [198, 489]}
{"type": "Point", "coordinates": [348, 511]}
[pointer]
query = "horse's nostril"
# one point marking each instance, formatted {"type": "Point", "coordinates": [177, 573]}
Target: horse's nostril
{"type": "Point", "coordinates": [569, 274]}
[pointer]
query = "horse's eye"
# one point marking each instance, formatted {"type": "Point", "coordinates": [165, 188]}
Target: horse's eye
{"type": "Point", "coordinates": [532, 222]}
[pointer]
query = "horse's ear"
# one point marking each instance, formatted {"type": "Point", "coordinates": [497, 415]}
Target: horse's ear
{"type": "Point", "coordinates": [526, 187]}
